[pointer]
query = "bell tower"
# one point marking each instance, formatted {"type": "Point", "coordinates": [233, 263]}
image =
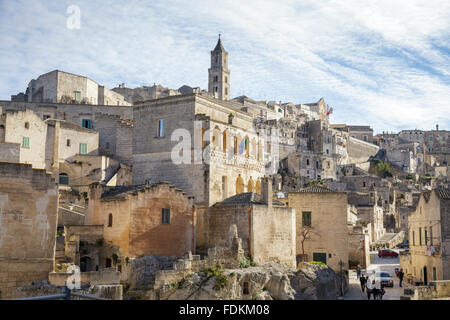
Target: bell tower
{"type": "Point", "coordinates": [219, 75]}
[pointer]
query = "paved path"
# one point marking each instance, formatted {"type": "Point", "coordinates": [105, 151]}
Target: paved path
{"type": "Point", "coordinates": [378, 264]}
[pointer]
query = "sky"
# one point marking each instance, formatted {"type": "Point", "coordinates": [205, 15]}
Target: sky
{"type": "Point", "coordinates": [380, 63]}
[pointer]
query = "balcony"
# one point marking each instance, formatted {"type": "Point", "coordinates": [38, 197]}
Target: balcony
{"type": "Point", "coordinates": [227, 158]}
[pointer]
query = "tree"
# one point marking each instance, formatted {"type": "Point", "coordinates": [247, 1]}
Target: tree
{"type": "Point", "coordinates": [306, 233]}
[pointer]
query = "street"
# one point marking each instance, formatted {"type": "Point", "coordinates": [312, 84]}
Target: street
{"type": "Point", "coordinates": [377, 264]}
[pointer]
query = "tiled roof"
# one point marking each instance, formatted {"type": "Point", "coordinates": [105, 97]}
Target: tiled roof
{"type": "Point", "coordinates": [248, 197]}
{"type": "Point", "coordinates": [315, 189]}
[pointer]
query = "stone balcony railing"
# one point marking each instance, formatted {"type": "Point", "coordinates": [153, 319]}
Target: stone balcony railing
{"type": "Point", "coordinates": [218, 156]}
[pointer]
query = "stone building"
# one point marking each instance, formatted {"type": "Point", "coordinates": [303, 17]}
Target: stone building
{"type": "Point", "coordinates": [321, 223]}
{"type": "Point", "coordinates": [113, 123]}
{"type": "Point", "coordinates": [63, 87]}
{"type": "Point", "coordinates": [143, 220]}
{"type": "Point", "coordinates": [144, 93]}
{"type": "Point", "coordinates": [364, 133]}
{"type": "Point", "coordinates": [429, 238]}
{"type": "Point", "coordinates": [28, 220]}
{"type": "Point", "coordinates": [265, 225]}
{"type": "Point", "coordinates": [45, 143]}
{"type": "Point", "coordinates": [220, 157]}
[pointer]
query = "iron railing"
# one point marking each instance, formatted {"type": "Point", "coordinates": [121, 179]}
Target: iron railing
{"type": "Point", "coordinates": [66, 294]}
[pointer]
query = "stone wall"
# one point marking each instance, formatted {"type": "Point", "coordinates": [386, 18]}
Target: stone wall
{"type": "Point", "coordinates": [360, 151]}
{"type": "Point", "coordinates": [273, 235]}
{"type": "Point", "coordinates": [28, 201]}
{"type": "Point", "coordinates": [103, 277]}
{"type": "Point", "coordinates": [10, 152]}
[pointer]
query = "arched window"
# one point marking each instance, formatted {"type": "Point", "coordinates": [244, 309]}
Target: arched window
{"type": "Point", "coordinates": [250, 185]}
{"type": "Point", "coordinates": [63, 178]}
{"type": "Point", "coordinates": [239, 185]}
{"type": "Point", "coordinates": [224, 141]}
{"type": "Point", "coordinates": [258, 186]}
{"type": "Point", "coordinates": [235, 145]}
{"type": "Point", "coordinates": [110, 220]}
{"type": "Point", "coordinates": [246, 147]}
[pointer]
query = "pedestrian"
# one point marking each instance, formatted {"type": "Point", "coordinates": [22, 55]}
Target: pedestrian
{"type": "Point", "coordinates": [363, 281]}
{"type": "Point", "coordinates": [400, 276]}
{"type": "Point", "coordinates": [370, 286]}
{"type": "Point", "coordinates": [358, 272]}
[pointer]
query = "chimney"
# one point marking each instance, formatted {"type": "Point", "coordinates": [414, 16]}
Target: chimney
{"type": "Point", "coordinates": [266, 191]}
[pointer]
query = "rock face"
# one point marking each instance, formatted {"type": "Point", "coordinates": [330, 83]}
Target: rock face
{"type": "Point", "coordinates": [272, 281]}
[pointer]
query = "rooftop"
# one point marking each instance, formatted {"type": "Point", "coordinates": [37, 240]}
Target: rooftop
{"type": "Point", "coordinates": [249, 197]}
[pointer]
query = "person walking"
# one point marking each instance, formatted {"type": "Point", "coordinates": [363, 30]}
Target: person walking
{"type": "Point", "coordinates": [358, 272]}
{"type": "Point", "coordinates": [400, 276]}
{"type": "Point", "coordinates": [362, 281]}
{"type": "Point", "coordinates": [370, 286]}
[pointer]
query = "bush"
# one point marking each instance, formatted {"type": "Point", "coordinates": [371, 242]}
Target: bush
{"type": "Point", "coordinates": [246, 262]}
{"type": "Point", "coordinates": [217, 272]}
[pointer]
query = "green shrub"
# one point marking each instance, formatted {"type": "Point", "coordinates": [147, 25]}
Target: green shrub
{"type": "Point", "coordinates": [219, 274]}
{"type": "Point", "coordinates": [246, 262]}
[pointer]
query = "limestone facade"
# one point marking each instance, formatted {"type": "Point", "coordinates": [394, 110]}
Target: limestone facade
{"type": "Point", "coordinates": [28, 219]}
{"type": "Point", "coordinates": [325, 213]}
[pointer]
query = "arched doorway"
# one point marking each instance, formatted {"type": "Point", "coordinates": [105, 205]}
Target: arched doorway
{"type": "Point", "coordinates": [258, 186]}
{"type": "Point", "coordinates": [250, 185]}
{"type": "Point", "coordinates": [63, 178]}
{"type": "Point", "coordinates": [239, 185]}
{"type": "Point", "coordinates": [85, 264]}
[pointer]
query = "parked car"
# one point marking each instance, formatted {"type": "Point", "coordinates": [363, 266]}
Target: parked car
{"type": "Point", "coordinates": [387, 253]}
{"type": "Point", "coordinates": [384, 278]}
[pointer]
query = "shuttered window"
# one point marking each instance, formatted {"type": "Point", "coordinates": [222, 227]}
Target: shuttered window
{"type": "Point", "coordinates": [25, 142]}
{"type": "Point", "coordinates": [83, 148]}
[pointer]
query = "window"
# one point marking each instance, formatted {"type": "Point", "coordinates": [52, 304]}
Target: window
{"type": "Point", "coordinates": [320, 257]}
{"type": "Point", "coordinates": [110, 220]}
{"type": "Point", "coordinates": [45, 117]}
{"type": "Point", "coordinates": [434, 273]}
{"type": "Point", "coordinates": [25, 142]}
{"type": "Point", "coordinates": [165, 216]}
{"type": "Point", "coordinates": [68, 142]}
{"type": "Point", "coordinates": [414, 238]}
{"type": "Point", "coordinates": [77, 95]}
{"type": "Point", "coordinates": [420, 236]}
{"type": "Point", "coordinates": [160, 128]}
{"type": "Point", "coordinates": [216, 89]}
{"type": "Point", "coordinates": [216, 78]}
{"type": "Point", "coordinates": [27, 125]}
{"type": "Point", "coordinates": [83, 148]}
{"type": "Point", "coordinates": [63, 178]}
{"type": "Point", "coordinates": [426, 235]}
{"type": "Point", "coordinates": [226, 80]}
{"type": "Point", "coordinates": [226, 91]}
{"type": "Point", "coordinates": [86, 123]}
{"type": "Point", "coordinates": [365, 138]}
{"type": "Point", "coordinates": [107, 145]}
{"type": "Point", "coordinates": [306, 219]}
{"type": "Point", "coordinates": [108, 263]}
{"type": "Point", "coordinates": [307, 162]}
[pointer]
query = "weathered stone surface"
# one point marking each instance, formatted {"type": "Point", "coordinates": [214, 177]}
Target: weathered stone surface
{"type": "Point", "coordinates": [266, 282]}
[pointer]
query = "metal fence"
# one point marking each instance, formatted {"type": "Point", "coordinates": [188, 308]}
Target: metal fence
{"type": "Point", "coordinates": [66, 294]}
